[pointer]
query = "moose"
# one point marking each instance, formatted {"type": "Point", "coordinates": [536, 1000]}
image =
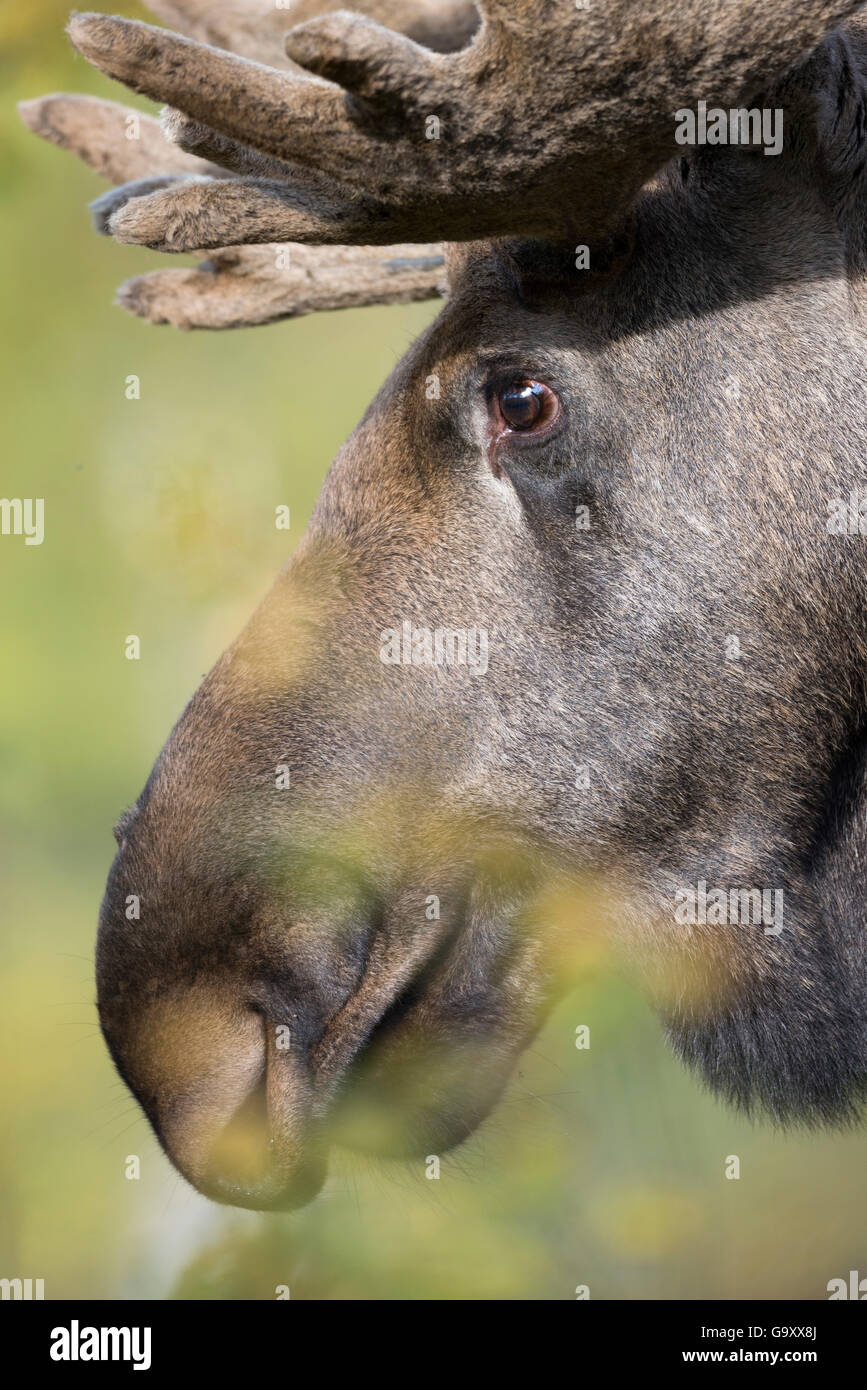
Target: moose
{"type": "Point", "coordinates": [622, 452]}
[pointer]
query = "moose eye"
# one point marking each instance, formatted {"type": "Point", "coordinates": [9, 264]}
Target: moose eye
{"type": "Point", "coordinates": [526, 405]}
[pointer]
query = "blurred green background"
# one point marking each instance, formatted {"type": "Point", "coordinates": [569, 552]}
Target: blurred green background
{"type": "Point", "coordinates": [603, 1167]}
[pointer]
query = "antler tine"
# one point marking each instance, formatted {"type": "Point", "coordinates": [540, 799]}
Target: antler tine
{"type": "Point", "coordinates": [256, 28]}
{"type": "Point", "coordinates": [276, 112]}
{"type": "Point", "coordinates": [117, 141]}
{"type": "Point", "coordinates": [250, 27]}
{"type": "Point", "coordinates": [247, 285]}
{"type": "Point", "coordinates": [238, 286]}
{"type": "Point", "coordinates": [443, 25]}
{"type": "Point", "coordinates": [548, 124]}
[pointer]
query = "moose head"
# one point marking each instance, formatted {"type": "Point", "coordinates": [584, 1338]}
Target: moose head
{"type": "Point", "coordinates": [582, 599]}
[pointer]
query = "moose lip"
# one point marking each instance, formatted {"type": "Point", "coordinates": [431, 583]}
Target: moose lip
{"type": "Point", "coordinates": [269, 1195]}
{"type": "Point", "coordinates": [291, 1176]}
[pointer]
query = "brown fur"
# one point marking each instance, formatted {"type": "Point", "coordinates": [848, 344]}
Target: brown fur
{"type": "Point", "coordinates": [305, 908]}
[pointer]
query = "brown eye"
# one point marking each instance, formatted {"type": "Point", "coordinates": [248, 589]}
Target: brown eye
{"type": "Point", "coordinates": [526, 405]}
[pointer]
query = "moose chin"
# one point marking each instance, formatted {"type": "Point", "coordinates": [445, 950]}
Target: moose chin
{"type": "Point", "coordinates": [355, 883]}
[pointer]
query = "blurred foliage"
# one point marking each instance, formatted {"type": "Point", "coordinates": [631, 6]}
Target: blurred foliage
{"type": "Point", "coordinates": [602, 1167]}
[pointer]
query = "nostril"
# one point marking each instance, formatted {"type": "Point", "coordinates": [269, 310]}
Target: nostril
{"type": "Point", "coordinates": [240, 1154]}
{"type": "Point", "coordinates": [255, 1163]}
{"type": "Point", "coordinates": [234, 1108]}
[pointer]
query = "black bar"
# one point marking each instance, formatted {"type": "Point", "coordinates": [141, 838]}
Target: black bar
{"type": "Point", "coordinates": [251, 1336]}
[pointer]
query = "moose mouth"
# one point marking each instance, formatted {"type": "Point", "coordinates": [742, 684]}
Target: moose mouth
{"type": "Point", "coordinates": [401, 1097]}
{"type": "Point", "coordinates": [409, 1065]}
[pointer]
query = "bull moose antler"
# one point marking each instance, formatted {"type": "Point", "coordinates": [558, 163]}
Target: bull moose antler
{"type": "Point", "coordinates": [383, 140]}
